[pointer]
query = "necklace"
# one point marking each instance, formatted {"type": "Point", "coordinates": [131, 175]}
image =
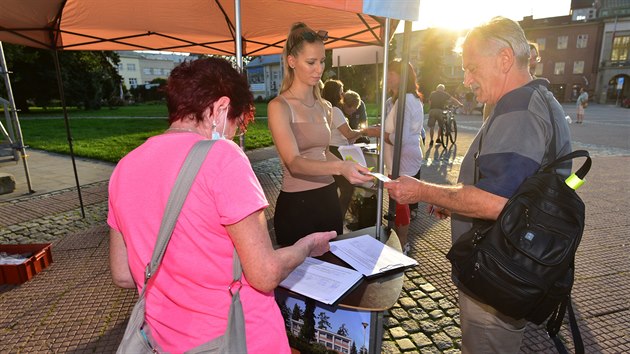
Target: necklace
{"type": "Point", "coordinates": [302, 102]}
{"type": "Point", "coordinates": [182, 130]}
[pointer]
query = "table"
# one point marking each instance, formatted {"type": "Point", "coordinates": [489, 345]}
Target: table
{"type": "Point", "coordinates": [375, 294]}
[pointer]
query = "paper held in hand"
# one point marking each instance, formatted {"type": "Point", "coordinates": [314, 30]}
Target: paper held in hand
{"type": "Point", "coordinates": [370, 256]}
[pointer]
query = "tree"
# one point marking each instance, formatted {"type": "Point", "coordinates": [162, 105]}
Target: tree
{"type": "Point", "coordinates": [343, 330]}
{"type": "Point", "coordinates": [308, 329]}
{"type": "Point", "coordinates": [432, 61]}
{"type": "Point", "coordinates": [286, 314]}
{"type": "Point", "coordinates": [323, 321]}
{"type": "Point", "coordinates": [353, 349]}
{"type": "Point", "coordinates": [297, 313]}
{"type": "Point", "coordinates": [88, 77]}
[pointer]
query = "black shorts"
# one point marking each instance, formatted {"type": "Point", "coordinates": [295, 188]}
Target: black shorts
{"type": "Point", "coordinates": [301, 213]}
{"type": "Point", "coordinates": [435, 115]}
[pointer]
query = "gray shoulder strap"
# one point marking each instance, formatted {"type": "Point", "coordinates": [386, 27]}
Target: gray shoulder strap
{"type": "Point", "coordinates": [176, 199]}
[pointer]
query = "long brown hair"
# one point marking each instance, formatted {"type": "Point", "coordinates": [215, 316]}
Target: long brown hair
{"type": "Point", "coordinates": [412, 84]}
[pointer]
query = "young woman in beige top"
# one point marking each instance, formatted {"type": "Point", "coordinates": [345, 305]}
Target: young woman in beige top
{"type": "Point", "coordinates": [299, 121]}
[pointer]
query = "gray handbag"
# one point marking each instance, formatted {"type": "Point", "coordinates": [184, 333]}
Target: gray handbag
{"type": "Point", "coordinates": [137, 337]}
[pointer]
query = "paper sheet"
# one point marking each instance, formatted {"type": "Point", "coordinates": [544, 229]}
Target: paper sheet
{"type": "Point", "coordinates": [322, 281]}
{"type": "Point", "coordinates": [369, 256]}
{"type": "Point", "coordinates": [352, 153]}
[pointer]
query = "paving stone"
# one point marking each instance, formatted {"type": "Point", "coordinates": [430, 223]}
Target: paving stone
{"type": "Point", "coordinates": [421, 339]}
{"type": "Point", "coordinates": [397, 332]}
{"type": "Point", "coordinates": [427, 304]}
{"type": "Point", "coordinates": [407, 303]}
{"type": "Point", "coordinates": [453, 331]}
{"type": "Point", "coordinates": [427, 288]}
{"type": "Point", "coordinates": [442, 341]}
{"type": "Point", "coordinates": [410, 326]}
{"type": "Point", "coordinates": [429, 326]}
{"type": "Point", "coordinates": [406, 345]}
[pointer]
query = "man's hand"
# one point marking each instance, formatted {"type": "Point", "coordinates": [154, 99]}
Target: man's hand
{"type": "Point", "coordinates": [404, 190]}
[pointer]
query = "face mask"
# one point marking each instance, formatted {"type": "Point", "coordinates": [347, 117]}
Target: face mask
{"type": "Point", "coordinates": [215, 134]}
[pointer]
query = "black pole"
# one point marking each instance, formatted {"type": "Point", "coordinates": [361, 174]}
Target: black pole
{"type": "Point", "coordinates": [67, 122]}
{"type": "Point", "coordinates": [400, 117]}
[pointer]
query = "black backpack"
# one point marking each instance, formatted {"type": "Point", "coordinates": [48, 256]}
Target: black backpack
{"type": "Point", "coordinates": [522, 264]}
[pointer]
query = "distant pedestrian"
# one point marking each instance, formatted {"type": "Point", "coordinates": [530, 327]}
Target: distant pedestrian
{"type": "Point", "coordinates": [582, 103]}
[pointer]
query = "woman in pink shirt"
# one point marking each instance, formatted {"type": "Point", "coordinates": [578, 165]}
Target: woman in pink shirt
{"type": "Point", "coordinates": [188, 300]}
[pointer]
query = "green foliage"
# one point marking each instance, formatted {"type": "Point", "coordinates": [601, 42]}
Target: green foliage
{"type": "Point", "coordinates": [89, 78]}
{"type": "Point", "coordinates": [307, 332]}
{"type": "Point", "coordinates": [323, 321]}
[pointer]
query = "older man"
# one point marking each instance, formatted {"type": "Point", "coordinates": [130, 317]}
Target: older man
{"type": "Point", "coordinates": [510, 146]}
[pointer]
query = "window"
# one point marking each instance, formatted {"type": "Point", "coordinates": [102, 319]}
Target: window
{"type": "Point", "coordinates": [166, 72]}
{"type": "Point", "coordinates": [578, 67]}
{"type": "Point", "coordinates": [559, 69]}
{"type": "Point", "coordinates": [146, 71]}
{"type": "Point", "coordinates": [621, 47]}
{"type": "Point", "coordinates": [131, 67]}
{"type": "Point", "coordinates": [562, 42]}
{"type": "Point", "coordinates": [157, 71]}
{"type": "Point", "coordinates": [582, 41]}
{"type": "Point", "coordinates": [539, 69]}
{"type": "Point", "coordinates": [120, 67]}
{"type": "Point", "coordinates": [541, 43]}
{"type": "Point", "coordinates": [133, 82]}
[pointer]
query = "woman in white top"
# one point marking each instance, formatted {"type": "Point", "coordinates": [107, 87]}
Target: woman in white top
{"type": "Point", "coordinates": [299, 121]}
{"type": "Point", "coordinates": [340, 134]}
{"type": "Point", "coordinates": [411, 153]}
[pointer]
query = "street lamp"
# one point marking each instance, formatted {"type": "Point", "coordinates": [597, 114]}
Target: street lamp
{"type": "Point", "coordinates": [364, 324]}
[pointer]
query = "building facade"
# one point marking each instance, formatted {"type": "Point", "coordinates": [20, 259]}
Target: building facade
{"type": "Point", "coordinates": [569, 52]}
{"type": "Point", "coordinates": [264, 74]}
{"type": "Point", "coordinates": [139, 68]}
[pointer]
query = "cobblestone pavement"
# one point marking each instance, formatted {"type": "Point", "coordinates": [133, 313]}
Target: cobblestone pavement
{"type": "Point", "coordinates": [73, 307]}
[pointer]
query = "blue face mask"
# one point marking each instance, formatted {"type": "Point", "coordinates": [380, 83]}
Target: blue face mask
{"type": "Point", "coordinates": [215, 134]}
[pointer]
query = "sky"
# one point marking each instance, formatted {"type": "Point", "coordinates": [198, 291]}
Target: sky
{"type": "Point", "coordinates": [463, 14]}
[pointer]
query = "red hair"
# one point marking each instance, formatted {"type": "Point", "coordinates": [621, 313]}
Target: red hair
{"type": "Point", "coordinates": [194, 86]}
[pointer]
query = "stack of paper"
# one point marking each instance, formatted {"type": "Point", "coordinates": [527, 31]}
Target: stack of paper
{"type": "Point", "coordinates": [327, 282]}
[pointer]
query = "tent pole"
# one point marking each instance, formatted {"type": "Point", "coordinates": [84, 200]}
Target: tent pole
{"type": "Point", "coordinates": [379, 193]}
{"type": "Point", "coordinates": [238, 51]}
{"type": "Point", "coordinates": [55, 54]}
{"type": "Point", "coordinates": [20, 140]}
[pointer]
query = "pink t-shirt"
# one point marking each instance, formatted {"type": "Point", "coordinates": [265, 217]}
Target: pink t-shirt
{"type": "Point", "coordinates": [188, 301]}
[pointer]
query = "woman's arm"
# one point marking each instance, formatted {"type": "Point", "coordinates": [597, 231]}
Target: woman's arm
{"type": "Point", "coordinates": [263, 266]}
{"type": "Point", "coordinates": [118, 263]}
{"type": "Point", "coordinates": [348, 132]}
{"type": "Point", "coordinates": [279, 113]}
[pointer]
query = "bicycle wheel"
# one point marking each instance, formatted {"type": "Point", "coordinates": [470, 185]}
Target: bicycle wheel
{"type": "Point", "coordinates": [443, 134]}
{"type": "Point", "coordinates": [452, 130]}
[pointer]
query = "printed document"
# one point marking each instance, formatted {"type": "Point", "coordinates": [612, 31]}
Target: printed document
{"type": "Point", "coordinates": [370, 256]}
{"type": "Point", "coordinates": [322, 281]}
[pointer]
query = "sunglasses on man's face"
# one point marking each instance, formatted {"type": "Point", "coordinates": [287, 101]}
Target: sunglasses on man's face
{"type": "Point", "coordinates": [310, 37]}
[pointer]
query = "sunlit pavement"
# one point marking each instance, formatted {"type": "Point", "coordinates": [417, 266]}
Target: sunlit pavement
{"type": "Point", "coordinates": [72, 305]}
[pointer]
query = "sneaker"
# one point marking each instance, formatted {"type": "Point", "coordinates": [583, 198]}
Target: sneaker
{"type": "Point", "coordinates": [438, 141]}
{"type": "Point", "coordinates": [406, 248]}
{"type": "Point", "coordinates": [431, 143]}
{"type": "Point", "coordinates": [413, 214]}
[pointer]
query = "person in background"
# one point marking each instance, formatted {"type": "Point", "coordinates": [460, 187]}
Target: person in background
{"type": "Point", "coordinates": [438, 100]}
{"type": "Point", "coordinates": [207, 99]}
{"type": "Point", "coordinates": [495, 60]}
{"type": "Point", "coordinates": [411, 154]}
{"type": "Point", "coordinates": [299, 121]}
{"type": "Point", "coordinates": [581, 103]}
{"type": "Point", "coordinates": [354, 109]}
{"type": "Point", "coordinates": [341, 134]}
{"type": "Point", "coordinates": [534, 59]}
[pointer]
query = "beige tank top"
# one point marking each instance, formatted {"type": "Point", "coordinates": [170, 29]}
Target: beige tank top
{"type": "Point", "coordinates": [312, 138]}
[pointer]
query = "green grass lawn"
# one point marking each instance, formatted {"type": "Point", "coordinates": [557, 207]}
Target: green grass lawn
{"type": "Point", "coordinates": [111, 139]}
{"type": "Point", "coordinates": [96, 134]}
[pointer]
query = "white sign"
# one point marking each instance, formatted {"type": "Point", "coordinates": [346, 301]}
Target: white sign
{"type": "Point", "coordinates": [357, 55]}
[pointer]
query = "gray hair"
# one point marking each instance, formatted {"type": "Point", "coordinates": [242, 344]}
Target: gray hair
{"type": "Point", "coordinates": [440, 87]}
{"type": "Point", "coordinates": [502, 33]}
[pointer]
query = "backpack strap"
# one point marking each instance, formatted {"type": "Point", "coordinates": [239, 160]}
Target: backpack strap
{"type": "Point", "coordinates": [555, 322]}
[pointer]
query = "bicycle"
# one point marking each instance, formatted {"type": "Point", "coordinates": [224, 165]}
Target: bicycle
{"type": "Point", "coordinates": [448, 126]}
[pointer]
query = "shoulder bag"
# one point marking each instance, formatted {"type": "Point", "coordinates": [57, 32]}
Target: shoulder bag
{"type": "Point", "coordinates": [522, 264]}
{"type": "Point", "coordinates": [137, 337]}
